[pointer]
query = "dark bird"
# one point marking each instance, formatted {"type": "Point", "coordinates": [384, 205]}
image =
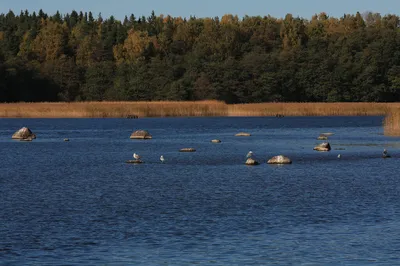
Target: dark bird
{"type": "Point", "coordinates": [385, 154]}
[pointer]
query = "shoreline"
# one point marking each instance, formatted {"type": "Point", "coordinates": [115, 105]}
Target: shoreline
{"type": "Point", "coordinates": [189, 109]}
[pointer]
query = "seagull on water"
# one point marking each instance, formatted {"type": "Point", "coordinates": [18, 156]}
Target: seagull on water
{"type": "Point", "coordinates": [339, 156]}
{"type": "Point", "coordinates": [385, 154]}
{"type": "Point", "coordinates": [136, 156]}
{"type": "Point", "coordinates": [162, 158]}
{"type": "Point", "coordinates": [249, 154]}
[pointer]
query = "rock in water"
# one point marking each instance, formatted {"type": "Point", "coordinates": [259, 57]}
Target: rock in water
{"type": "Point", "coordinates": [141, 134]}
{"type": "Point", "coordinates": [322, 137]}
{"type": "Point", "coordinates": [134, 161]}
{"type": "Point", "coordinates": [27, 139]}
{"type": "Point", "coordinates": [215, 141]}
{"type": "Point", "coordinates": [279, 159]}
{"type": "Point", "coordinates": [323, 147]}
{"type": "Point", "coordinates": [187, 150]}
{"type": "Point", "coordinates": [24, 133]}
{"type": "Point", "coordinates": [251, 161]}
{"type": "Point", "coordinates": [243, 134]}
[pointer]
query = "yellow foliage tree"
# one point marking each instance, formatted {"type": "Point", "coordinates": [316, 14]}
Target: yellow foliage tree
{"type": "Point", "coordinates": [134, 46]}
{"type": "Point", "coordinates": [50, 43]}
{"type": "Point", "coordinates": [85, 50]}
{"type": "Point", "coordinates": [229, 19]}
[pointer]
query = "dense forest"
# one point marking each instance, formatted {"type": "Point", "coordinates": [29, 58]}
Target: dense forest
{"type": "Point", "coordinates": [78, 57]}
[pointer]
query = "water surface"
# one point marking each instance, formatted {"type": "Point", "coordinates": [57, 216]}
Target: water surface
{"type": "Point", "coordinates": [79, 203]}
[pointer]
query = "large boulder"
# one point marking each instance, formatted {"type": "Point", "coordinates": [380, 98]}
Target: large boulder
{"type": "Point", "coordinates": [243, 134]}
{"type": "Point", "coordinates": [141, 134]}
{"type": "Point", "coordinates": [251, 161]}
{"type": "Point", "coordinates": [24, 133]}
{"type": "Point", "coordinates": [279, 159]}
{"type": "Point", "coordinates": [323, 147]}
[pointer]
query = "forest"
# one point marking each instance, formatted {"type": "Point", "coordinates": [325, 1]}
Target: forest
{"type": "Point", "coordinates": [79, 57]}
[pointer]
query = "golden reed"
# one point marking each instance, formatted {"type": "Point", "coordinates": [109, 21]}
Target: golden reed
{"type": "Point", "coordinates": [392, 122]}
{"type": "Point", "coordinates": [201, 108]}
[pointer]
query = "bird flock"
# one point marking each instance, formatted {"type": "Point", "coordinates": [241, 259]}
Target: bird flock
{"type": "Point", "coordinates": [250, 154]}
{"type": "Point", "coordinates": [250, 159]}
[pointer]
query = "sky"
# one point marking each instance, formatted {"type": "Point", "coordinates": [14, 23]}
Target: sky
{"type": "Point", "coordinates": [205, 8]}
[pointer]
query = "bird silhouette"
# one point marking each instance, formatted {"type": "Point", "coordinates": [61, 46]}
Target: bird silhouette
{"type": "Point", "coordinates": [339, 156]}
{"type": "Point", "coordinates": [385, 154]}
{"type": "Point", "coordinates": [249, 154]}
{"type": "Point", "coordinates": [136, 156]}
{"type": "Point", "coordinates": [162, 158]}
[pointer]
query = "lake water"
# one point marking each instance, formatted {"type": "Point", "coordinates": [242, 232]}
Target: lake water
{"type": "Point", "coordinates": [79, 203]}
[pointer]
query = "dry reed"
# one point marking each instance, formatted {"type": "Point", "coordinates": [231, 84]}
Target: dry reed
{"type": "Point", "coordinates": [392, 122]}
{"type": "Point", "coordinates": [112, 109]}
{"type": "Point", "coordinates": [200, 108]}
{"type": "Point", "coordinates": [310, 109]}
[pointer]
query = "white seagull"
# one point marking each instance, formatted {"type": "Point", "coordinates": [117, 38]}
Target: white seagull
{"type": "Point", "coordinates": [339, 156]}
{"type": "Point", "coordinates": [136, 156]}
{"type": "Point", "coordinates": [249, 154]}
{"type": "Point", "coordinates": [162, 158]}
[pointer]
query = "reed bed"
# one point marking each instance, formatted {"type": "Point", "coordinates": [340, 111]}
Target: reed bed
{"type": "Point", "coordinates": [391, 124]}
{"type": "Point", "coordinates": [112, 109]}
{"type": "Point", "coordinates": [391, 111]}
{"type": "Point", "coordinates": [200, 108]}
{"type": "Point", "coordinates": [310, 109]}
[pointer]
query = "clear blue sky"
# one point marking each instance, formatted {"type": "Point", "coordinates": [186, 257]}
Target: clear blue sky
{"type": "Point", "coordinates": [205, 8]}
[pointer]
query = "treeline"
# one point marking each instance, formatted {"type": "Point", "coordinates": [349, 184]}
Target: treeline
{"type": "Point", "coordinates": [76, 57]}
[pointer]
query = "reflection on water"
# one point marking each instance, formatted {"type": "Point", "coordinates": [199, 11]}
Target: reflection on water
{"type": "Point", "coordinates": [78, 202]}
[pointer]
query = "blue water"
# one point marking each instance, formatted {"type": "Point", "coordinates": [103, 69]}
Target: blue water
{"type": "Point", "coordinates": [79, 203]}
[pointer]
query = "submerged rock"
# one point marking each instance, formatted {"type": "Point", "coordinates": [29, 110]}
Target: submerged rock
{"type": "Point", "coordinates": [243, 134]}
{"type": "Point", "coordinates": [134, 161]}
{"type": "Point", "coordinates": [323, 147]}
{"type": "Point", "coordinates": [141, 134]}
{"type": "Point", "coordinates": [251, 161]}
{"type": "Point", "coordinates": [215, 141]}
{"type": "Point", "coordinates": [24, 134]}
{"type": "Point", "coordinates": [322, 137]}
{"type": "Point", "coordinates": [187, 150]}
{"type": "Point", "coordinates": [279, 159]}
{"type": "Point", "coordinates": [27, 139]}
